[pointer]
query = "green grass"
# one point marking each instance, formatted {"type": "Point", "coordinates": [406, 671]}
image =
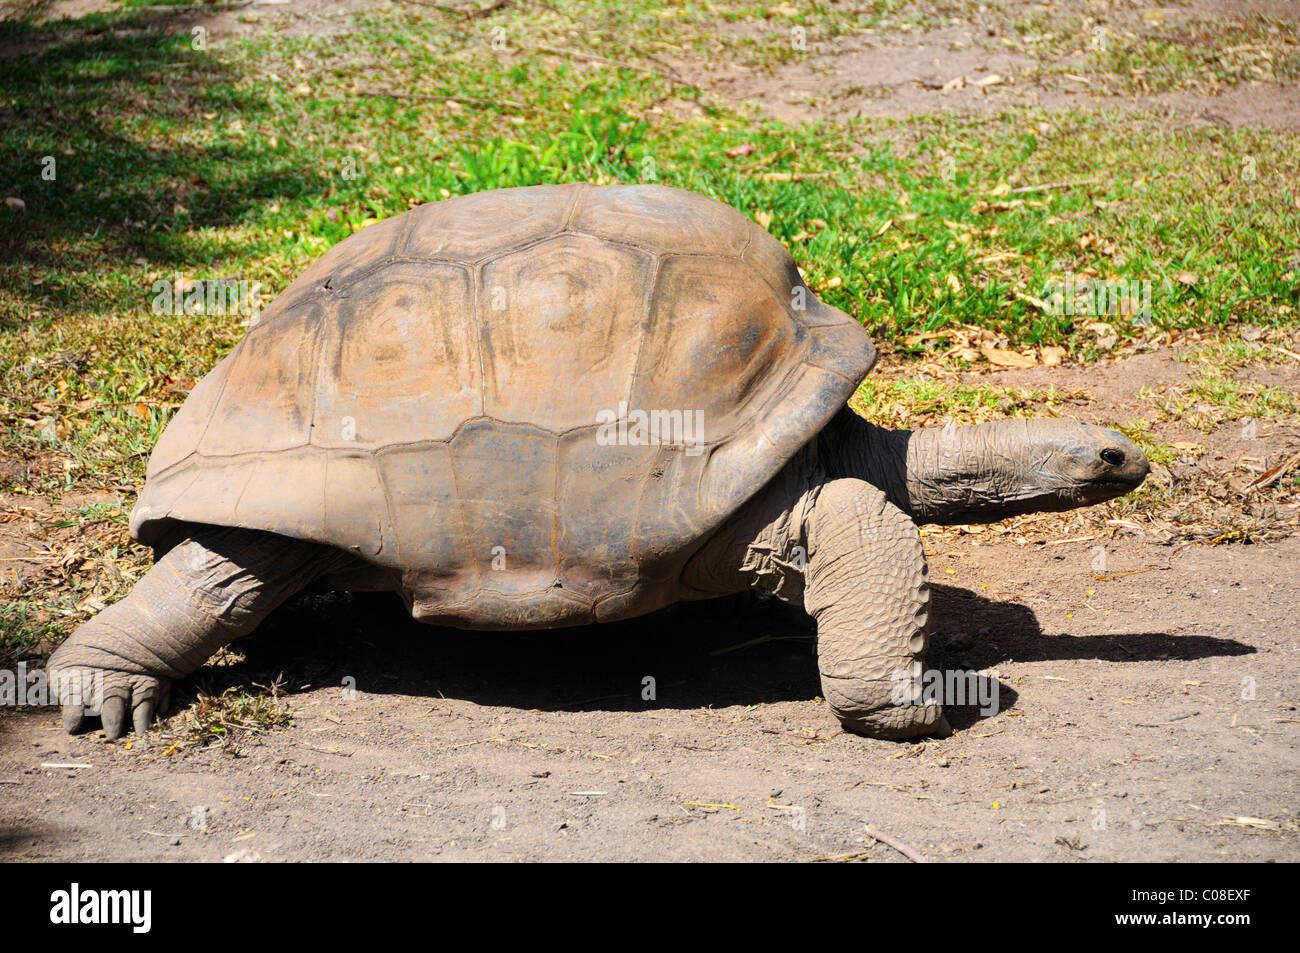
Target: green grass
{"type": "Point", "coordinates": [1203, 54]}
{"type": "Point", "coordinates": [913, 402]}
{"type": "Point", "coordinates": [1215, 395]}
{"type": "Point", "coordinates": [239, 160]}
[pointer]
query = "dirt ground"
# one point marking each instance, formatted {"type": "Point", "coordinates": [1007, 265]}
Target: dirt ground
{"type": "Point", "coordinates": [1150, 714]}
{"type": "Point", "coordinates": [1123, 734]}
{"type": "Point", "coordinates": [983, 66]}
{"type": "Point", "coordinates": [1146, 710]}
{"type": "Point", "coordinates": [894, 74]}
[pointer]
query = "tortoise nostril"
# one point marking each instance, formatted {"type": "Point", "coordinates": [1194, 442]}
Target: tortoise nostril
{"type": "Point", "coordinates": [1112, 456]}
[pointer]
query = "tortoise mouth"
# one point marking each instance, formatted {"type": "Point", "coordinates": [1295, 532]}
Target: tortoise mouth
{"type": "Point", "coordinates": [1110, 486]}
{"type": "Point", "coordinates": [1128, 479]}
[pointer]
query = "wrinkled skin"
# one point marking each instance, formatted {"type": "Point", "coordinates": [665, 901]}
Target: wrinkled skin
{"type": "Point", "coordinates": [836, 531]}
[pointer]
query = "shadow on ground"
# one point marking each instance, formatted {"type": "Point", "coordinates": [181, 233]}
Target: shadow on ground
{"type": "Point", "coordinates": [734, 651]}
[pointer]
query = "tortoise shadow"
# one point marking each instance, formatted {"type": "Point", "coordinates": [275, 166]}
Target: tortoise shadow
{"type": "Point", "coordinates": [743, 650]}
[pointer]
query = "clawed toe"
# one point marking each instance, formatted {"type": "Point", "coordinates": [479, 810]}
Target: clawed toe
{"type": "Point", "coordinates": [87, 692]}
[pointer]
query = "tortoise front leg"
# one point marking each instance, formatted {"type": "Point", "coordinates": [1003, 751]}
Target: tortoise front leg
{"type": "Point", "coordinates": [214, 586]}
{"type": "Point", "coordinates": [867, 586]}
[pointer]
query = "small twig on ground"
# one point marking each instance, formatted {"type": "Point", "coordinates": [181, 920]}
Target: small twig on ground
{"type": "Point", "coordinates": [439, 98]}
{"type": "Point", "coordinates": [795, 176]}
{"type": "Point", "coordinates": [471, 13]}
{"type": "Point", "coordinates": [1121, 575]}
{"type": "Point", "coordinates": [882, 784]}
{"type": "Point", "coordinates": [1272, 475]}
{"type": "Point", "coordinates": [178, 8]}
{"type": "Point", "coordinates": [1048, 186]}
{"type": "Point", "coordinates": [843, 858]}
{"type": "Point", "coordinates": [1072, 539]}
{"type": "Point", "coordinates": [742, 645]}
{"type": "Point", "coordinates": [911, 853]}
{"type": "Point", "coordinates": [1181, 40]}
{"type": "Point", "coordinates": [574, 54]}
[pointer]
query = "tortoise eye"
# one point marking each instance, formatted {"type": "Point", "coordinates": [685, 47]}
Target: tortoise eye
{"type": "Point", "coordinates": [1113, 457]}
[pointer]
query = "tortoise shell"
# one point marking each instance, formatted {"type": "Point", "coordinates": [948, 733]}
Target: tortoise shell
{"type": "Point", "coordinates": [534, 405]}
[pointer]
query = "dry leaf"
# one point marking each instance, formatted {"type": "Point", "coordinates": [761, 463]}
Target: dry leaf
{"type": "Point", "coordinates": [957, 82]}
{"type": "Point", "coordinates": [1052, 355]}
{"type": "Point", "coordinates": [763, 218]}
{"type": "Point", "coordinates": [1089, 240]}
{"type": "Point", "coordinates": [991, 80]}
{"type": "Point", "coordinates": [1187, 278]}
{"type": "Point", "coordinates": [1038, 303]}
{"type": "Point", "coordinates": [982, 207]}
{"type": "Point", "coordinates": [1186, 446]}
{"type": "Point", "coordinates": [1273, 474]}
{"type": "Point", "coordinates": [1252, 822]}
{"type": "Point", "coordinates": [912, 340]}
{"type": "Point", "coordinates": [1107, 336]}
{"type": "Point", "coordinates": [1003, 358]}
{"type": "Point", "coordinates": [744, 149]}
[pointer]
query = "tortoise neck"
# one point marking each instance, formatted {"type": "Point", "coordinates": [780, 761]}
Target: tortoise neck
{"type": "Point", "coordinates": [934, 474]}
{"type": "Point", "coordinates": [850, 447]}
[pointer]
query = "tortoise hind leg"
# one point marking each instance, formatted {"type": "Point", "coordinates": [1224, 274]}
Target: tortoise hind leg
{"type": "Point", "coordinates": [866, 585]}
{"type": "Point", "coordinates": [214, 586]}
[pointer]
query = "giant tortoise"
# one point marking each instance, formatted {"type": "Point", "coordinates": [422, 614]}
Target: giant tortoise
{"type": "Point", "coordinates": [555, 406]}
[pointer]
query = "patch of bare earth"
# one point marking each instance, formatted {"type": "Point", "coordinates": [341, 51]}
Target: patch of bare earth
{"type": "Point", "coordinates": [1149, 717]}
{"type": "Point", "coordinates": [1127, 700]}
{"type": "Point", "coordinates": [983, 62]}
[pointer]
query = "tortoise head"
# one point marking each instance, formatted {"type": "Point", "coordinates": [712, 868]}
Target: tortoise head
{"type": "Point", "coordinates": [990, 471]}
{"type": "Point", "coordinates": [1078, 463]}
